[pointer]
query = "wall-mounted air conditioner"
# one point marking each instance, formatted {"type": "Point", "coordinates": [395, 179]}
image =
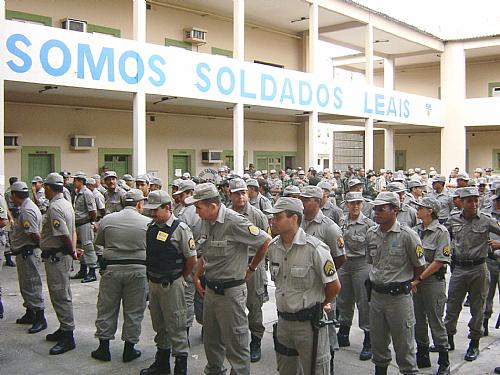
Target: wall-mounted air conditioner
{"type": "Point", "coordinates": [11, 141]}
{"type": "Point", "coordinates": [211, 156]}
{"type": "Point", "coordinates": [82, 142]}
{"type": "Point", "coordinates": [75, 25]}
{"type": "Point", "coordinates": [195, 35]}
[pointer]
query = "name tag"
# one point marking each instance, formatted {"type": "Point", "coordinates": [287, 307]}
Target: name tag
{"type": "Point", "coordinates": [218, 243]}
{"type": "Point", "coordinates": [162, 236]}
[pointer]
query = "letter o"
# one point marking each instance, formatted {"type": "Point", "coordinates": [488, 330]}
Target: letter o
{"type": "Point", "coordinates": [44, 57]}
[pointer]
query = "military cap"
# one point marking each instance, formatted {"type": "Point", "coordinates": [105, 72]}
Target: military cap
{"type": "Point", "coordinates": [257, 174]}
{"type": "Point", "coordinates": [54, 179]}
{"type": "Point", "coordinates": [221, 169]}
{"type": "Point", "coordinates": [487, 169]}
{"type": "Point", "coordinates": [415, 183]}
{"type": "Point", "coordinates": [176, 182]}
{"type": "Point", "coordinates": [432, 173]}
{"type": "Point", "coordinates": [246, 176]}
{"type": "Point", "coordinates": [395, 187]}
{"type": "Point", "coordinates": [337, 171]}
{"type": "Point", "coordinates": [237, 184]}
{"type": "Point", "coordinates": [155, 181]}
{"type": "Point", "coordinates": [354, 196]}
{"type": "Point", "coordinates": [186, 175]}
{"type": "Point", "coordinates": [128, 177]}
{"type": "Point", "coordinates": [36, 179]}
{"type": "Point", "coordinates": [302, 172]}
{"type": "Point", "coordinates": [399, 176]}
{"type": "Point", "coordinates": [19, 186]}
{"type": "Point", "coordinates": [272, 171]}
{"type": "Point", "coordinates": [108, 174]}
{"type": "Point", "coordinates": [353, 182]}
{"type": "Point", "coordinates": [133, 195]}
{"type": "Point", "coordinates": [325, 185]}
{"type": "Point", "coordinates": [311, 191]}
{"type": "Point", "coordinates": [454, 193]}
{"type": "Point", "coordinates": [252, 182]}
{"type": "Point", "coordinates": [80, 176]}
{"type": "Point", "coordinates": [439, 178]}
{"type": "Point", "coordinates": [184, 185]}
{"type": "Point", "coordinates": [65, 174]}
{"type": "Point", "coordinates": [96, 177]}
{"type": "Point", "coordinates": [203, 191]}
{"type": "Point", "coordinates": [417, 170]}
{"type": "Point", "coordinates": [429, 202]}
{"type": "Point", "coordinates": [482, 181]}
{"type": "Point", "coordinates": [142, 178]}
{"type": "Point", "coordinates": [291, 189]}
{"type": "Point", "coordinates": [223, 182]}
{"type": "Point", "coordinates": [264, 171]}
{"type": "Point", "coordinates": [478, 170]}
{"type": "Point", "coordinates": [156, 198]}
{"type": "Point", "coordinates": [423, 172]}
{"type": "Point", "coordinates": [463, 176]}
{"type": "Point", "coordinates": [387, 197]}
{"type": "Point", "coordinates": [286, 204]}
{"type": "Point", "coordinates": [468, 192]}
{"type": "Point", "coordinates": [90, 181]}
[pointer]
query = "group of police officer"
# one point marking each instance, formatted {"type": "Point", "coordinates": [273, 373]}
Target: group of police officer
{"type": "Point", "coordinates": [201, 253]}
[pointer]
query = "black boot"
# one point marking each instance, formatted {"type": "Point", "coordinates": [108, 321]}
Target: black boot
{"type": "Point", "coordinates": [27, 318]}
{"type": "Point", "coordinates": [80, 274]}
{"type": "Point", "coordinates": [1, 309]}
{"type": "Point", "coordinates": [65, 344]}
{"type": "Point", "coordinates": [54, 336]}
{"type": "Point", "coordinates": [451, 343]}
{"type": "Point", "coordinates": [8, 260]}
{"type": "Point", "coordinates": [90, 276]}
{"type": "Point", "coordinates": [343, 336]}
{"type": "Point", "coordinates": [161, 365]}
{"type": "Point", "coordinates": [187, 333]}
{"type": "Point", "coordinates": [472, 351]}
{"type": "Point", "coordinates": [102, 352]}
{"type": "Point", "coordinates": [423, 359]}
{"type": "Point", "coordinates": [366, 352]}
{"type": "Point", "coordinates": [485, 327]}
{"type": "Point", "coordinates": [39, 324]}
{"type": "Point", "coordinates": [444, 363]}
{"type": "Point", "coordinates": [255, 352]}
{"type": "Point", "coordinates": [332, 358]}
{"type": "Point", "coordinates": [181, 364]}
{"type": "Point", "coordinates": [129, 352]}
{"type": "Point", "coordinates": [379, 370]}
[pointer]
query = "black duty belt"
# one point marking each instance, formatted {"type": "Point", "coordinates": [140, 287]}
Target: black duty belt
{"type": "Point", "coordinates": [25, 251]}
{"type": "Point", "coordinates": [104, 263]}
{"type": "Point", "coordinates": [164, 279]}
{"type": "Point", "coordinates": [467, 262]}
{"type": "Point", "coordinates": [394, 289]}
{"type": "Point", "coordinates": [219, 286]}
{"type": "Point", "coordinates": [79, 223]}
{"type": "Point", "coordinates": [299, 316]}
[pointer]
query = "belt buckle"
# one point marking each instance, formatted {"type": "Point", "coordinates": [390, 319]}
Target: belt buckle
{"type": "Point", "coordinates": [218, 289]}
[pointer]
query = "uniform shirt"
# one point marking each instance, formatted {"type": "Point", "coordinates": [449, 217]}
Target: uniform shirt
{"type": "Point", "coordinates": [393, 254]}
{"type": "Point", "coordinates": [102, 189]}
{"type": "Point", "coordinates": [354, 233]}
{"type": "Point", "coordinates": [324, 229]}
{"type": "Point", "coordinates": [67, 194]}
{"type": "Point", "coordinates": [495, 214]}
{"type": "Point", "coordinates": [44, 202]}
{"type": "Point", "coordinates": [333, 212]}
{"type": "Point", "coordinates": [275, 183]}
{"type": "Point", "coordinates": [367, 208]}
{"type": "Point", "coordinates": [300, 272]}
{"type": "Point", "coordinates": [59, 220]}
{"type": "Point", "coordinates": [485, 201]}
{"type": "Point", "coordinates": [410, 199]}
{"type": "Point", "coordinates": [123, 234]}
{"type": "Point", "coordinates": [407, 216]}
{"type": "Point", "coordinates": [225, 245]}
{"type": "Point", "coordinates": [435, 241]}
{"type": "Point", "coordinates": [99, 199]}
{"type": "Point", "coordinates": [469, 237]}
{"type": "Point", "coordinates": [113, 200]}
{"type": "Point", "coordinates": [445, 203]}
{"type": "Point", "coordinates": [28, 221]}
{"type": "Point", "coordinates": [84, 203]}
{"type": "Point", "coordinates": [260, 202]}
{"type": "Point", "coordinates": [189, 216]}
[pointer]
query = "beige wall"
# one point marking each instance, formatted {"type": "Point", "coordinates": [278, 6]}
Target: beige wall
{"type": "Point", "coordinates": [480, 145]}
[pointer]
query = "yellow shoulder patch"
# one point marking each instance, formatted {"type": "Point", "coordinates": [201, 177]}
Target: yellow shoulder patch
{"type": "Point", "coordinates": [56, 223]}
{"type": "Point", "coordinates": [340, 242]}
{"type": "Point", "coordinates": [191, 244]}
{"type": "Point", "coordinates": [419, 251]}
{"type": "Point", "coordinates": [253, 230]}
{"type": "Point", "coordinates": [1, 210]}
{"type": "Point", "coordinates": [329, 268]}
{"type": "Point", "coordinates": [446, 251]}
{"type": "Point", "coordinates": [26, 224]}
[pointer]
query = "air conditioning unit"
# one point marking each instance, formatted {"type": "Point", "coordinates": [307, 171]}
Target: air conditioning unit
{"type": "Point", "coordinates": [211, 156]}
{"type": "Point", "coordinates": [11, 141]}
{"type": "Point", "coordinates": [195, 35]}
{"type": "Point", "coordinates": [75, 25]}
{"type": "Point", "coordinates": [82, 142]}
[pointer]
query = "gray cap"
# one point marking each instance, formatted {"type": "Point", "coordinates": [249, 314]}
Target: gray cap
{"type": "Point", "coordinates": [143, 178]}
{"type": "Point", "coordinates": [80, 175]}
{"type": "Point", "coordinates": [439, 178]}
{"type": "Point", "coordinates": [399, 176]}
{"type": "Point", "coordinates": [96, 177]}
{"type": "Point", "coordinates": [291, 189]}
{"type": "Point", "coordinates": [286, 203]}
{"type": "Point", "coordinates": [186, 175]}
{"type": "Point", "coordinates": [252, 182]}
{"type": "Point", "coordinates": [128, 177]}
{"type": "Point", "coordinates": [395, 187]}
{"type": "Point", "coordinates": [354, 196]}
{"type": "Point", "coordinates": [19, 186]}
{"type": "Point", "coordinates": [90, 181]}
{"type": "Point", "coordinates": [237, 184]}
{"type": "Point", "coordinates": [454, 193]}
{"type": "Point", "coordinates": [54, 179]}
{"type": "Point", "coordinates": [387, 197]}
{"type": "Point", "coordinates": [463, 176]}
{"type": "Point", "coordinates": [133, 195]}
{"type": "Point", "coordinates": [482, 181]}
{"type": "Point", "coordinates": [176, 182]}
{"type": "Point", "coordinates": [110, 174]}
{"type": "Point", "coordinates": [311, 191]}
{"type": "Point", "coordinates": [353, 182]}
{"type": "Point", "coordinates": [431, 203]}
{"type": "Point", "coordinates": [415, 183]}
{"type": "Point", "coordinates": [185, 185]}
{"type": "Point", "coordinates": [325, 185]}
{"type": "Point", "coordinates": [36, 179]}
{"type": "Point", "coordinates": [155, 181]}
{"type": "Point", "coordinates": [203, 191]}
{"type": "Point", "coordinates": [156, 198]}
{"type": "Point", "coordinates": [468, 192]}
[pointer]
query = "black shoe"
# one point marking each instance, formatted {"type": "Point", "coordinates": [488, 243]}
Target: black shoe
{"type": "Point", "coordinates": [444, 363]}
{"type": "Point", "coordinates": [485, 327]}
{"type": "Point", "coordinates": [467, 301]}
{"type": "Point", "coordinates": [39, 324]}
{"type": "Point", "coordinates": [472, 351]}
{"type": "Point", "coordinates": [8, 261]}
{"type": "Point", "coordinates": [161, 365]}
{"type": "Point", "coordinates": [343, 336]}
{"type": "Point", "coordinates": [80, 274]}
{"type": "Point", "coordinates": [255, 351]}
{"type": "Point", "coordinates": [451, 343]}
{"type": "Point", "coordinates": [379, 370]}
{"type": "Point", "coordinates": [90, 276]}
{"type": "Point", "coordinates": [55, 336]}
{"type": "Point", "coordinates": [65, 344]}
{"type": "Point", "coordinates": [332, 361]}
{"type": "Point", "coordinates": [129, 352]}
{"type": "Point", "coordinates": [1, 309]}
{"type": "Point", "coordinates": [497, 370]}
{"type": "Point", "coordinates": [102, 352]}
{"type": "Point", "coordinates": [181, 363]}
{"type": "Point", "coordinates": [366, 352]}
{"type": "Point", "coordinates": [423, 359]}
{"type": "Point", "coordinates": [27, 318]}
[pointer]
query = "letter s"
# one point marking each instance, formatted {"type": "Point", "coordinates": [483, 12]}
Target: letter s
{"type": "Point", "coordinates": [12, 48]}
{"type": "Point", "coordinates": [161, 75]}
{"type": "Point", "coordinates": [203, 77]}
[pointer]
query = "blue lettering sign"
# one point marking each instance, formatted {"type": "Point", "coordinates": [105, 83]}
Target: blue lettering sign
{"type": "Point", "coordinates": [406, 105]}
{"type": "Point", "coordinates": [139, 64]}
{"type": "Point", "coordinates": [264, 79]}
{"type": "Point", "coordinates": [44, 57]}
{"type": "Point", "coordinates": [85, 54]}
{"type": "Point", "coordinates": [156, 69]}
{"type": "Point", "coordinates": [305, 86]}
{"type": "Point", "coordinates": [379, 104]}
{"type": "Point", "coordinates": [323, 102]}
{"type": "Point", "coordinates": [391, 107]}
{"type": "Point", "coordinates": [243, 93]}
{"type": "Point", "coordinates": [229, 72]}
{"type": "Point", "coordinates": [367, 110]}
{"type": "Point", "coordinates": [12, 48]}
{"type": "Point", "coordinates": [286, 91]}
{"type": "Point", "coordinates": [337, 94]}
{"type": "Point", "coordinates": [199, 70]}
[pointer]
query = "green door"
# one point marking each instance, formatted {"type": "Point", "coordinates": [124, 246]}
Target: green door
{"type": "Point", "coordinates": [40, 165]}
{"type": "Point", "coordinates": [400, 160]}
{"type": "Point", "coordinates": [261, 163]}
{"type": "Point", "coordinates": [117, 163]}
{"type": "Point", "coordinates": [180, 165]}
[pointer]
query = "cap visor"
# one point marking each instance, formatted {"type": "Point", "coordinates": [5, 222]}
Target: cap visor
{"type": "Point", "coordinates": [379, 202]}
{"type": "Point", "coordinates": [238, 189]}
{"type": "Point", "coordinates": [152, 206]}
{"type": "Point", "coordinates": [273, 210]}
{"type": "Point", "coordinates": [191, 200]}
{"type": "Point", "coordinates": [178, 192]}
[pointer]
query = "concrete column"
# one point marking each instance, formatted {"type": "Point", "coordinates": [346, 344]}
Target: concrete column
{"type": "Point", "coordinates": [312, 63]}
{"type": "Point", "coordinates": [453, 91]}
{"type": "Point", "coordinates": [389, 131]}
{"type": "Point", "coordinates": [139, 104]}
{"type": "Point", "coordinates": [2, 114]}
{"type": "Point", "coordinates": [369, 82]}
{"type": "Point", "coordinates": [238, 110]}
{"type": "Point", "coordinates": [369, 143]}
{"type": "Point", "coordinates": [389, 73]}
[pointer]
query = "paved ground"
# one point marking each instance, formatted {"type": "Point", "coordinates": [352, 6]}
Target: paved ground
{"type": "Point", "coordinates": [22, 353]}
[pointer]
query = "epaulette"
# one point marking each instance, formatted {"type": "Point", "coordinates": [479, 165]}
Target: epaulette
{"type": "Point", "coordinates": [312, 240]}
{"type": "Point", "coordinates": [274, 240]}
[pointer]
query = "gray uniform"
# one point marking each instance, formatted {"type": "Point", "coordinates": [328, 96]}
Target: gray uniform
{"type": "Point", "coordinates": [430, 299]}
{"type": "Point", "coordinates": [59, 220]}
{"type": "Point", "coordinates": [333, 212]}
{"type": "Point", "coordinates": [261, 203]}
{"type": "Point", "coordinates": [407, 215]}
{"type": "Point", "coordinates": [84, 204]}
{"type": "Point", "coordinates": [393, 255]}
{"type": "Point", "coordinates": [113, 200]}
{"type": "Point", "coordinates": [445, 202]}
{"type": "Point", "coordinates": [493, 268]}
{"type": "Point", "coordinates": [300, 274]}
{"type": "Point", "coordinates": [367, 208]}
{"type": "Point", "coordinates": [354, 273]}
{"type": "Point", "coordinates": [28, 260]}
{"type": "Point", "coordinates": [3, 236]}
{"type": "Point", "coordinates": [123, 235]}
{"type": "Point", "coordinates": [225, 255]}
{"type": "Point", "coordinates": [100, 203]}
{"type": "Point", "coordinates": [43, 202]}
{"type": "Point", "coordinates": [469, 239]}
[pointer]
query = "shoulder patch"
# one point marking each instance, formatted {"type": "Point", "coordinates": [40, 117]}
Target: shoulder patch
{"type": "Point", "coordinates": [419, 251]}
{"type": "Point", "coordinates": [191, 244]}
{"type": "Point", "coordinates": [446, 251]}
{"type": "Point", "coordinates": [26, 224]}
{"type": "Point", "coordinates": [56, 223]}
{"type": "Point", "coordinates": [1, 210]}
{"type": "Point", "coordinates": [253, 230]}
{"type": "Point", "coordinates": [340, 242]}
{"type": "Point", "coordinates": [329, 268]}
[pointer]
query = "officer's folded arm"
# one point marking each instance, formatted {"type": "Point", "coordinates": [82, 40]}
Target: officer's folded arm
{"type": "Point", "coordinates": [331, 290]}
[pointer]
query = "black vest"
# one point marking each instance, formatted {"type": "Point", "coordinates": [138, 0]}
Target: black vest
{"type": "Point", "coordinates": [162, 257]}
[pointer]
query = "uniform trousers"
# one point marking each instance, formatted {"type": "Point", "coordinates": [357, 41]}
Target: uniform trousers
{"type": "Point", "coordinates": [127, 285]}
{"type": "Point", "coordinates": [255, 301]}
{"type": "Point", "coordinates": [30, 281]}
{"type": "Point", "coordinates": [85, 236]}
{"type": "Point", "coordinates": [392, 317]}
{"type": "Point", "coordinates": [190, 292]}
{"type": "Point", "coordinates": [473, 280]}
{"type": "Point", "coordinates": [57, 270]}
{"type": "Point", "coordinates": [494, 284]}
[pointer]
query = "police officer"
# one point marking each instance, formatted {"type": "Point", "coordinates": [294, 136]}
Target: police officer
{"type": "Point", "coordinates": [407, 215]}
{"type": "Point", "coordinates": [224, 192]}
{"type": "Point", "coordinates": [123, 281]}
{"type": "Point", "coordinates": [99, 186]}
{"type": "Point", "coordinates": [99, 198]}
{"type": "Point", "coordinates": [469, 232]}
{"type": "Point", "coordinates": [4, 221]}
{"type": "Point", "coordinates": [58, 232]}
{"type": "Point", "coordinates": [155, 184]}
{"type": "Point", "coordinates": [328, 206]}
{"type": "Point", "coordinates": [256, 285]}
{"type": "Point", "coordinates": [129, 180]}
{"type": "Point", "coordinates": [170, 257]}
{"type": "Point", "coordinates": [416, 190]}
{"type": "Point", "coordinates": [306, 281]}
{"type": "Point", "coordinates": [291, 191]}
{"type": "Point", "coordinates": [429, 297]}
{"type": "Point", "coordinates": [85, 216]}
{"type": "Point", "coordinates": [354, 273]}
{"type": "Point", "coordinates": [113, 193]}
{"type": "Point", "coordinates": [177, 206]}
{"type": "Point", "coordinates": [397, 257]}
{"type": "Point", "coordinates": [442, 195]}
{"type": "Point", "coordinates": [356, 185]}
{"type": "Point", "coordinates": [256, 199]}
{"type": "Point", "coordinates": [142, 183]}
{"type": "Point", "coordinates": [224, 260]}
{"type": "Point", "coordinates": [25, 240]}
{"type": "Point", "coordinates": [38, 193]}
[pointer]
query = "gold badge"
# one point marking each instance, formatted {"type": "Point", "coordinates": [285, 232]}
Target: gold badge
{"type": "Point", "coordinates": [26, 224]}
{"type": "Point", "coordinates": [340, 242]}
{"type": "Point", "coordinates": [419, 251]}
{"type": "Point", "coordinates": [329, 268]}
{"type": "Point", "coordinates": [56, 223]}
{"type": "Point", "coordinates": [446, 251]}
{"type": "Point", "coordinates": [162, 236]}
{"type": "Point", "coordinates": [253, 230]}
{"type": "Point", "coordinates": [269, 231]}
{"type": "Point", "coordinates": [1, 210]}
{"type": "Point", "coordinates": [191, 244]}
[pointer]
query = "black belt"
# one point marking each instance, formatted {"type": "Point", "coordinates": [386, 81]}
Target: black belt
{"type": "Point", "coordinates": [164, 279]}
{"type": "Point", "coordinates": [104, 263]}
{"type": "Point", "coordinates": [393, 289]}
{"type": "Point", "coordinates": [467, 262]}
{"type": "Point", "coordinates": [80, 223]}
{"type": "Point", "coordinates": [219, 286]}
{"type": "Point", "coordinates": [299, 316]}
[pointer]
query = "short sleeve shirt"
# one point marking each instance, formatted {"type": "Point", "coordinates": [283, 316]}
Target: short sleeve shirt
{"type": "Point", "coordinates": [189, 216]}
{"type": "Point", "coordinates": [28, 221]}
{"type": "Point", "coordinates": [407, 215]}
{"type": "Point", "coordinates": [84, 203]}
{"type": "Point", "coordinates": [182, 238]}
{"type": "Point", "coordinates": [354, 233]}
{"type": "Point", "coordinates": [59, 220]}
{"type": "Point", "coordinates": [257, 218]}
{"type": "Point", "coordinates": [113, 201]}
{"type": "Point", "coordinates": [435, 241]}
{"type": "Point", "coordinates": [327, 231]}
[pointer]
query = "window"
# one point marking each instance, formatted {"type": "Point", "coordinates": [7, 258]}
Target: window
{"type": "Point", "coordinates": [496, 160]}
{"type": "Point", "coordinates": [178, 43]}
{"type": "Point", "coordinates": [28, 18]}
{"type": "Point", "coordinates": [222, 52]}
{"type": "Point", "coordinates": [96, 29]}
{"type": "Point", "coordinates": [494, 89]}
{"type": "Point", "coordinates": [348, 149]}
